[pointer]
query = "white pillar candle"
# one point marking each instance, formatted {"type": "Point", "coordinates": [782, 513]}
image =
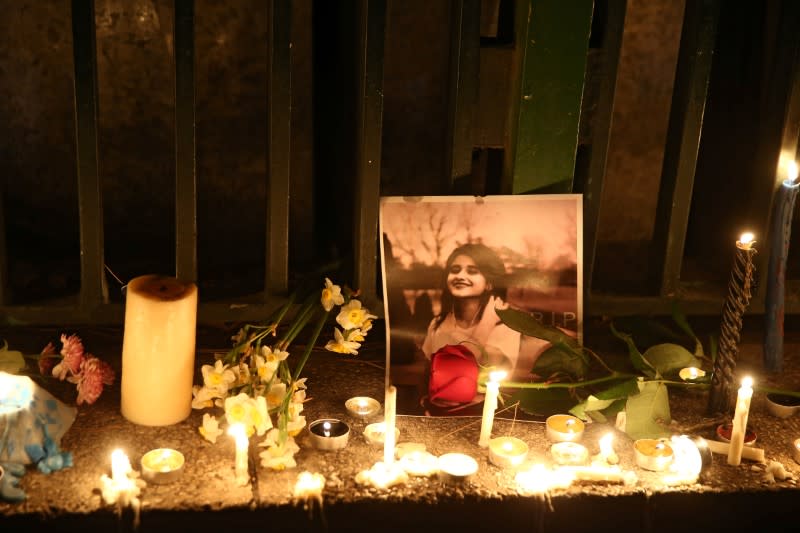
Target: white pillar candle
{"type": "Point", "coordinates": [743, 398]}
{"type": "Point", "coordinates": [158, 349]}
{"type": "Point", "coordinates": [390, 408]}
{"type": "Point", "coordinates": [489, 406]}
{"type": "Point", "coordinates": [240, 461]}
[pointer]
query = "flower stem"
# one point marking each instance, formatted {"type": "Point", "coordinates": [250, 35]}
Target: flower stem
{"type": "Point", "coordinates": [564, 385]}
{"type": "Point", "coordinates": [310, 346]}
{"type": "Point", "coordinates": [300, 321]}
{"type": "Point", "coordinates": [772, 390]}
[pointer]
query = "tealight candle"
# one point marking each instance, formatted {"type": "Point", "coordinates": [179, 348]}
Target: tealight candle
{"type": "Point", "coordinates": [653, 454]}
{"type": "Point", "coordinates": [564, 428]}
{"type": "Point", "coordinates": [688, 462]}
{"type": "Point", "coordinates": [419, 463]}
{"type": "Point", "coordinates": [362, 406]}
{"type": "Point", "coordinates": [376, 434]}
{"type": "Point", "coordinates": [569, 453]}
{"type": "Point", "coordinates": [329, 434]}
{"type": "Point", "coordinates": [744, 395]}
{"type": "Point", "coordinates": [490, 406]}
{"type": "Point", "coordinates": [162, 465]}
{"type": "Point", "coordinates": [239, 435]}
{"type": "Point", "coordinates": [796, 450]}
{"type": "Point", "coordinates": [691, 373]}
{"type": "Point", "coordinates": [507, 452]}
{"type": "Point", "coordinates": [456, 467]}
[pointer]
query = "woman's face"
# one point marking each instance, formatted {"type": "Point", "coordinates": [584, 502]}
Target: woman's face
{"type": "Point", "coordinates": [464, 279]}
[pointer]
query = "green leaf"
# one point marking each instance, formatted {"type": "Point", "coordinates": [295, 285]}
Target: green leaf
{"type": "Point", "coordinates": [543, 402]}
{"type": "Point", "coordinates": [593, 403]}
{"type": "Point", "coordinates": [565, 355]}
{"type": "Point", "coordinates": [639, 362]}
{"type": "Point", "coordinates": [666, 358]}
{"type": "Point", "coordinates": [620, 390]}
{"type": "Point", "coordinates": [683, 323]}
{"type": "Point", "coordinates": [11, 361]}
{"type": "Point", "coordinates": [558, 359]}
{"type": "Point", "coordinates": [647, 413]}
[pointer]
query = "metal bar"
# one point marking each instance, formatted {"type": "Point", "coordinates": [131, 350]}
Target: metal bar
{"type": "Point", "coordinates": [185, 149]}
{"type": "Point", "coordinates": [90, 207]}
{"type": "Point", "coordinates": [593, 191]}
{"type": "Point", "coordinates": [683, 139]}
{"type": "Point", "coordinates": [780, 113]}
{"type": "Point", "coordinates": [3, 253]}
{"type": "Point", "coordinates": [465, 22]}
{"type": "Point", "coordinates": [369, 126]}
{"type": "Point", "coordinates": [279, 109]}
{"type": "Point", "coordinates": [555, 42]}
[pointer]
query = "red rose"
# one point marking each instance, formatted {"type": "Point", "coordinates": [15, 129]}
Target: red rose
{"type": "Point", "coordinates": [454, 375]}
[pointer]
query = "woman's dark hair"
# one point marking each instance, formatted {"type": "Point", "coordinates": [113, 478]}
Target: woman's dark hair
{"type": "Point", "coordinates": [491, 267]}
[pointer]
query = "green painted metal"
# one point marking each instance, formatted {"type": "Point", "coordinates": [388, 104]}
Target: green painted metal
{"type": "Point", "coordinates": [90, 206]}
{"type": "Point", "coordinates": [369, 127]}
{"type": "Point", "coordinates": [185, 144]}
{"type": "Point", "coordinates": [593, 190]}
{"type": "Point", "coordinates": [465, 19]}
{"type": "Point", "coordinates": [279, 109]}
{"type": "Point", "coordinates": [555, 41]}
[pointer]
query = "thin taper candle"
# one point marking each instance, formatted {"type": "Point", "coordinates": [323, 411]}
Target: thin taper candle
{"type": "Point", "coordinates": [745, 394]}
{"type": "Point", "coordinates": [390, 408]}
{"type": "Point", "coordinates": [489, 407]}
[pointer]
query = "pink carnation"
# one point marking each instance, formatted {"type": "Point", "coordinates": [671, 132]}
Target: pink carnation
{"type": "Point", "coordinates": [72, 350]}
{"type": "Point", "coordinates": [47, 359]}
{"type": "Point", "coordinates": [94, 373]}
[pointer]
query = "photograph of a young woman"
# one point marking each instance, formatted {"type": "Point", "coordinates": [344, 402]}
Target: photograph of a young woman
{"type": "Point", "coordinates": [449, 264]}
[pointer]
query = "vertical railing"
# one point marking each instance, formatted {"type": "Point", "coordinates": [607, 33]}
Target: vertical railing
{"type": "Point", "coordinates": [593, 189]}
{"type": "Point", "coordinates": [90, 208]}
{"type": "Point", "coordinates": [369, 127]}
{"type": "Point", "coordinates": [465, 22]}
{"type": "Point", "coordinates": [683, 139]}
{"type": "Point", "coordinates": [185, 146]}
{"type": "Point", "coordinates": [279, 114]}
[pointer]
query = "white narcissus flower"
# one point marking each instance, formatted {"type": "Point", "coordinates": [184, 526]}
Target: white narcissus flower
{"type": "Point", "coordinates": [275, 456]}
{"type": "Point", "coordinates": [276, 394]}
{"type": "Point", "coordinates": [265, 369]}
{"type": "Point", "coordinates": [273, 356]}
{"type": "Point", "coordinates": [203, 397]}
{"type": "Point", "coordinates": [259, 416]}
{"type": "Point", "coordinates": [331, 295]}
{"type": "Point", "coordinates": [341, 345]}
{"type": "Point", "coordinates": [218, 377]}
{"type": "Point", "coordinates": [251, 412]}
{"type": "Point", "coordinates": [210, 429]}
{"type": "Point", "coordinates": [353, 316]}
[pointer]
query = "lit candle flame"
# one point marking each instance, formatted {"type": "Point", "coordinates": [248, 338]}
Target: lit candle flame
{"type": "Point", "coordinates": [792, 171]}
{"type": "Point", "coordinates": [496, 376]}
{"type": "Point", "coordinates": [120, 465]}
{"type": "Point", "coordinates": [747, 238]}
{"type": "Point", "coordinates": [326, 429]}
{"type": "Point", "coordinates": [747, 382]}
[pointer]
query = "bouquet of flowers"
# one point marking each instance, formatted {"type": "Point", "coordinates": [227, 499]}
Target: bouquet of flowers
{"type": "Point", "coordinates": [255, 385]}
